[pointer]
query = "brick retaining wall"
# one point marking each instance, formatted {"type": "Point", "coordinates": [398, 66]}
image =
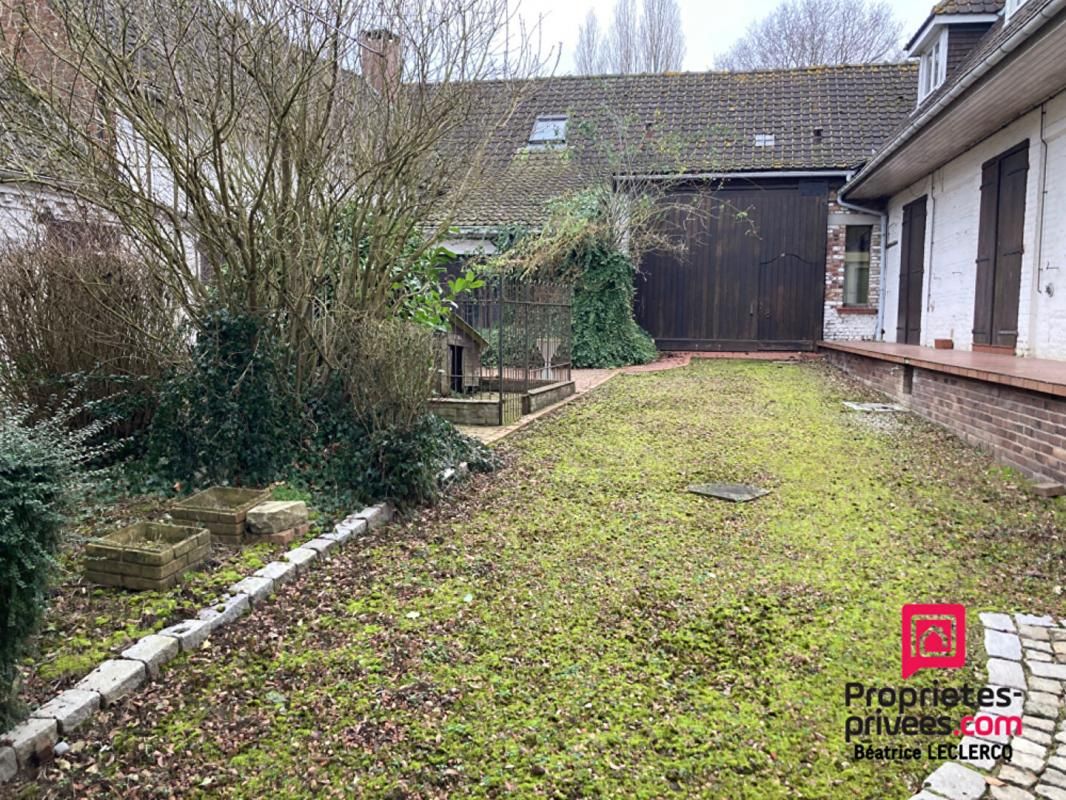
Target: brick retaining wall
{"type": "Point", "coordinates": [1024, 429]}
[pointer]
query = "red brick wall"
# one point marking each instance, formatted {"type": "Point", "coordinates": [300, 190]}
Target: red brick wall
{"type": "Point", "coordinates": [844, 323]}
{"type": "Point", "coordinates": [1023, 429]}
{"type": "Point", "coordinates": [34, 36]}
{"type": "Point", "coordinates": [884, 376]}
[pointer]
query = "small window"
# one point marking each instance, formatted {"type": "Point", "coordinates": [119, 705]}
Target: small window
{"type": "Point", "coordinates": [934, 67]}
{"type": "Point", "coordinates": [765, 140]}
{"type": "Point", "coordinates": [548, 132]}
{"type": "Point", "coordinates": [857, 265]}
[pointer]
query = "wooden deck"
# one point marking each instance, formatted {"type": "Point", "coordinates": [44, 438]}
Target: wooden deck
{"type": "Point", "coordinates": [1034, 374]}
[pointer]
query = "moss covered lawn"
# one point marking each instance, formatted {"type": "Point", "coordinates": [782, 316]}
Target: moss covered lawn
{"type": "Point", "coordinates": [86, 624]}
{"type": "Point", "coordinates": [577, 625]}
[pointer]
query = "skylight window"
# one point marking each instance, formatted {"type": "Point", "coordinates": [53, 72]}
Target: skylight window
{"type": "Point", "coordinates": [549, 131]}
{"type": "Point", "coordinates": [765, 140]}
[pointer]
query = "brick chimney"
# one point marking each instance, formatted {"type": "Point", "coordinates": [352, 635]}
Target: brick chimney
{"type": "Point", "coordinates": [34, 37]}
{"type": "Point", "coordinates": [29, 28]}
{"type": "Point", "coordinates": [381, 59]}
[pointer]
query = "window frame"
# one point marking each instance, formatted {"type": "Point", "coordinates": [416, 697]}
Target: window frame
{"type": "Point", "coordinates": [544, 122]}
{"type": "Point", "coordinates": [1011, 7]}
{"type": "Point", "coordinates": [851, 265]}
{"type": "Point", "coordinates": [933, 66]}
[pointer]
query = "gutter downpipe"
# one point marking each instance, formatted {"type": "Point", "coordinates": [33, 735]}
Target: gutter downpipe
{"type": "Point", "coordinates": [879, 334]}
{"type": "Point", "coordinates": [978, 72]}
{"type": "Point", "coordinates": [1041, 199]}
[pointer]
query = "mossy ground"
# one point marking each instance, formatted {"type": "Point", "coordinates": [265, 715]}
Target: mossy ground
{"type": "Point", "coordinates": [580, 626]}
{"type": "Point", "coordinates": [86, 623]}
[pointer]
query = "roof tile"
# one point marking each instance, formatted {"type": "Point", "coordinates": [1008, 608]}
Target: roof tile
{"type": "Point", "coordinates": [968, 7]}
{"type": "Point", "coordinates": [822, 118]}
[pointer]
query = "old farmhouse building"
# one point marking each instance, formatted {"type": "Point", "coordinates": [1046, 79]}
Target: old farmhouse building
{"type": "Point", "coordinates": [774, 261]}
{"type": "Point", "coordinates": [906, 218]}
{"type": "Point", "coordinates": [972, 187]}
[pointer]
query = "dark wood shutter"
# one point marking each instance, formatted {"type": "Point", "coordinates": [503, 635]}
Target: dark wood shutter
{"type": "Point", "coordinates": [911, 273]}
{"type": "Point", "coordinates": [1014, 175]}
{"type": "Point", "coordinates": [986, 254]}
{"type": "Point", "coordinates": [1000, 246]}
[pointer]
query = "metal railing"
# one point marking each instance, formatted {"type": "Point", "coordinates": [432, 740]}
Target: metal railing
{"type": "Point", "coordinates": [507, 339]}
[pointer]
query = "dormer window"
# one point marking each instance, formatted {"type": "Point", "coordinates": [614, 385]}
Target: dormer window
{"type": "Point", "coordinates": [548, 131]}
{"type": "Point", "coordinates": [1012, 6]}
{"type": "Point", "coordinates": [934, 66]}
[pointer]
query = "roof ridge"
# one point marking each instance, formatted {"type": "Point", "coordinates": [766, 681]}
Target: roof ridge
{"type": "Point", "coordinates": [909, 64]}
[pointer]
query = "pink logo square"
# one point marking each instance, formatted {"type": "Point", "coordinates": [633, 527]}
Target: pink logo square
{"type": "Point", "coordinates": [934, 637]}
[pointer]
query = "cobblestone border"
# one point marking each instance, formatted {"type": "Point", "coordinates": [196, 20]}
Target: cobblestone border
{"type": "Point", "coordinates": [1026, 653]}
{"type": "Point", "coordinates": [115, 678]}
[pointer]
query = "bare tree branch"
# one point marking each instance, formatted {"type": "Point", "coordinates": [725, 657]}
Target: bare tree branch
{"type": "Point", "coordinates": [293, 147]}
{"type": "Point", "coordinates": [621, 53]}
{"type": "Point", "coordinates": [803, 33]}
{"type": "Point", "coordinates": [588, 57]}
{"type": "Point", "coordinates": [645, 39]}
{"type": "Point", "coordinates": [662, 37]}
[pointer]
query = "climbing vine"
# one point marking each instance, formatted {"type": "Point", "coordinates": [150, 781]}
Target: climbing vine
{"type": "Point", "coordinates": [583, 244]}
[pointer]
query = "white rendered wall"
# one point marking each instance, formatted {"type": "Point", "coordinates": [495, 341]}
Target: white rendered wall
{"type": "Point", "coordinates": [954, 202]}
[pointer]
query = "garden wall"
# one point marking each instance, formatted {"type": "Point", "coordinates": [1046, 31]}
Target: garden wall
{"type": "Point", "coordinates": [1024, 429]}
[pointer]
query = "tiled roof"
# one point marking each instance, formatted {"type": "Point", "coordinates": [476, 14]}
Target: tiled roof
{"type": "Point", "coordinates": [997, 35]}
{"type": "Point", "coordinates": [968, 7]}
{"type": "Point", "coordinates": [947, 8]}
{"type": "Point", "coordinates": [821, 118]}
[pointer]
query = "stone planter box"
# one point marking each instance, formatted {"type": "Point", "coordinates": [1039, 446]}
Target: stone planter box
{"type": "Point", "coordinates": [277, 521]}
{"type": "Point", "coordinates": [147, 555]}
{"type": "Point", "coordinates": [543, 396]}
{"type": "Point", "coordinates": [469, 411]}
{"type": "Point", "coordinates": [222, 510]}
{"type": "Point", "coordinates": [485, 409]}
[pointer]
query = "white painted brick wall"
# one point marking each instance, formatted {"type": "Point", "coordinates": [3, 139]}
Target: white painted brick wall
{"type": "Point", "coordinates": [1047, 335]}
{"type": "Point", "coordinates": [848, 327]}
{"type": "Point", "coordinates": [890, 273]}
{"type": "Point", "coordinates": [954, 205]}
{"type": "Point", "coordinates": [21, 208]}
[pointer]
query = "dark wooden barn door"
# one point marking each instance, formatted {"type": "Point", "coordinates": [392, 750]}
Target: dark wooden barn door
{"type": "Point", "coordinates": [749, 281]}
{"type": "Point", "coordinates": [1000, 246]}
{"type": "Point", "coordinates": [911, 273]}
{"type": "Point", "coordinates": [792, 264]}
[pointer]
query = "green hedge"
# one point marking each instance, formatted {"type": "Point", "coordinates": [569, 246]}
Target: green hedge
{"type": "Point", "coordinates": [40, 472]}
{"type": "Point", "coordinates": [229, 417]}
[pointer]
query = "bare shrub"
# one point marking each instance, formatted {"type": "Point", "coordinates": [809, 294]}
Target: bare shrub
{"type": "Point", "coordinates": [79, 313]}
{"type": "Point", "coordinates": [249, 138]}
{"type": "Point", "coordinates": [387, 368]}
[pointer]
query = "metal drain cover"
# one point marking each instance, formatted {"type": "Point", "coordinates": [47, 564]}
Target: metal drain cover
{"type": "Point", "coordinates": [733, 492]}
{"type": "Point", "coordinates": [874, 408]}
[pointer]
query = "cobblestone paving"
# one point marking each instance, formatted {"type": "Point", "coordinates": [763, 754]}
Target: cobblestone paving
{"type": "Point", "coordinates": [1027, 653]}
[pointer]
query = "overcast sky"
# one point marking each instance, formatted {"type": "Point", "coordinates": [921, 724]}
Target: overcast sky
{"type": "Point", "coordinates": [711, 26]}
